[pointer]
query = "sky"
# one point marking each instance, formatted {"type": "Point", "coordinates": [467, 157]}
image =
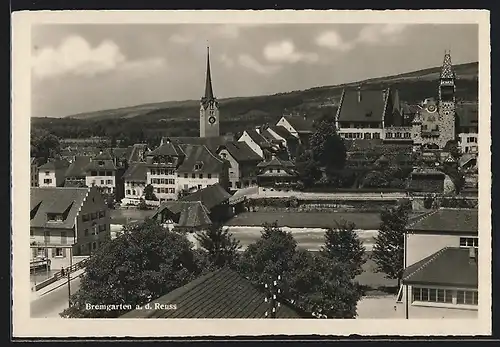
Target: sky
{"type": "Point", "coordinates": [89, 67]}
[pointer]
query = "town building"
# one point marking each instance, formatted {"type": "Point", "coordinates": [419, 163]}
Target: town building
{"type": "Point", "coordinates": [174, 168]}
{"type": "Point", "coordinates": [135, 179]}
{"type": "Point", "coordinates": [219, 294]}
{"type": "Point", "coordinates": [276, 174]}
{"type": "Point", "coordinates": [424, 181]}
{"type": "Point", "coordinates": [196, 211]}
{"type": "Point", "coordinates": [254, 140]}
{"type": "Point", "coordinates": [380, 114]}
{"type": "Point", "coordinates": [299, 126]}
{"type": "Point", "coordinates": [102, 172]}
{"type": "Point", "coordinates": [51, 174]}
{"type": "Point", "coordinates": [280, 133]}
{"type": "Point", "coordinates": [65, 222]}
{"type": "Point", "coordinates": [209, 107]}
{"type": "Point", "coordinates": [468, 127]}
{"type": "Point", "coordinates": [76, 173]}
{"type": "Point", "coordinates": [33, 172]}
{"type": "Point", "coordinates": [441, 277]}
{"type": "Point", "coordinates": [243, 164]}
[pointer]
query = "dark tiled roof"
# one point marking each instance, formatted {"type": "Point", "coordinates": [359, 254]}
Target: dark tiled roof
{"type": "Point", "coordinates": [369, 109]}
{"type": "Point", "coordinates": [107, 164]}
{"type": "Point", "coordinates": [240, 151]}
{"type": "Point", "coordinates": [195, 154]}
{"type": "Point", "coordinates": [193, 214]}
{"type": "Point", "coordinates": [168, 148]}
{"type": "Point", "coordinates": [219, 294]}
{"type": "Point", "coordinates": [276, 162]}
{"type": "Point", "coordinates": [427, 182]}
{"type": "Point", "coordinates": [66, 201]}
{"type": "Point", "coordinates": [210, 196]}
{"type": "Point", "coordinates": [281, 131]}
{"type": "Point", "coordinates": [136, 172]}
{"type": "Point", "coordinates": [134, 152]}
{"type": "Point", "coordinates": [300, 124]}
{"type": "Point", "coordinates": [256, 137]}
{"type": "Point", "coordinates": [120, 153]}
{"type": "Point", "coordinates": [55, 165]}
{"type": "Point", "coordinates": [450, 266]}
{"type": "Point", "coordinates": [212, 143]}
{"type": "Point", "coordinates": [78, 167]}
{"type": "Point", "coordinates": [448, 220]}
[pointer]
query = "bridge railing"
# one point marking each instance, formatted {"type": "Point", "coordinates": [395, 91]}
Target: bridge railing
{"type": "Point", "coordinates": [62, 274]}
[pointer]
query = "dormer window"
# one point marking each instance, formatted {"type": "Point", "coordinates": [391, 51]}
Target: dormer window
{"type": "Point", "coordinates": [55, 217]}
{"type": "Point", "coordinates": [169, 160]}
{"type": "Point", "coordinates": [100, 162]}
{"type": "Point", "coordinates": [198, 166]}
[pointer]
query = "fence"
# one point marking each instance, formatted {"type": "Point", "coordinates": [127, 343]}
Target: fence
{"type": "Point", "coordinates": [59, 275]}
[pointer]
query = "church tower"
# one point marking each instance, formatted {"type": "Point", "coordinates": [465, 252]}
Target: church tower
{"type": "Point", "coordinates": [209, 107]}
{"type": "Point", "coordinates": [447, 102]}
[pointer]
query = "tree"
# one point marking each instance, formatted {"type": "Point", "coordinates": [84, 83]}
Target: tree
{"type": "Point", "coordinates": [453, 148]}
{"type": "Point", "coordinates": [327, 146]}
{"type": "Point", "coordinates": [308, 168]}
{"type": "Point", "coordinates": [44, 145]}
{"type": "Point", "coordinates": [323, 286]}
{"type": "Point", "coordinates": [343, 245]}
{"type": "Point", "coordinates": [220, 245]}
{"type": "Point", "coordinates": [315, 283]}
{"type": "Point", "coordinates": [388, 251]}
{"type": "Point", "coordinates": [149, 193]}
{"type": "Point", "coordinates": [143, 263]}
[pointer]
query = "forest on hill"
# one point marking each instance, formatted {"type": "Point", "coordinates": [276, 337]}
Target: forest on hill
{"type": "Point", "coordinates": [180, 118]}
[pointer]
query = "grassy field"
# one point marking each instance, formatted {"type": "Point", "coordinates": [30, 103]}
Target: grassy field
{"type": "Point", "coordinates": [367, 221]}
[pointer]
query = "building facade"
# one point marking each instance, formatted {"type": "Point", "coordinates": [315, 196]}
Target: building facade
{"type": "Point", "coordinates": [242, 162]}
{"type": "Point", "coordinates": [67, 222]}
{"type": "Point", "coordinates": [101, 172]}
{"type": "Point", "coordinates": [52, 173]}
{"type": "Point", "coordinates": [135, 179]}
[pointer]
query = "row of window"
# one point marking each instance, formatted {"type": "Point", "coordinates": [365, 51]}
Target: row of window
{"type": "Point", "coordinates": [469, 242]}
{"type": "Point", "coordinates": [434, 127]}
{"type": "Point", "coordinates": [398, 135]}
{"type": "Point", "coordinates": [366, 136]}
{"type": "Point", "coordinates": [162, 172]}
{"type": "Point", "coordinates": [93, 215]}
{"type": "Point", "coordinates": [95, 230]}
{"type": "Point", "coordinates": [458, 297]}
{"type": "Point", "coordinates": [103, 182]}
{"type": "Point", "coordinates": [162, 181]}
{"type": "Point", "coordinates": [102, 173]}
{"type": "Point", "coordinates": [165, 190]}
{"type": "Point", "coordinates": [471, 139]}
{"type": "Point", "coordinates": [47, 181]}
{"type": "Point", "coordinates": [132, 192]}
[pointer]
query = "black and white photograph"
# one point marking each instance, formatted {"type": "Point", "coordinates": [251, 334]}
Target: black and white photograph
{"type": "Point", "coordinates": [300, 166]}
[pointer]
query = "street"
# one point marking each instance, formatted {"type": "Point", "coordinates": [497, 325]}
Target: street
{"type": "Point", "coordinates": [54, 302]}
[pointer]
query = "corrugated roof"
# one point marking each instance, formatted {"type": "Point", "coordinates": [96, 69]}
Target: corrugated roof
{"type": "Point", "coordinates": [219, 294]}
{"type": "Point", "coordinates": [78, 167]}
{"type": "Point", "coordinates": [55, 200]}
{"type": "Point", "coordinates": [300, 124]}
{"type": "Point", "coordinates": [240, 151]}
{"type": "Point", "coordinates": [451, 267]}
{"type": "Point", "coordinates": [210, 196]}
{"type": "Point", "coordinates": [136, 172]}
{"type": "Point", "coordinates": [370, 108]}
{"type": "Point", "coordinates": [202, 157]}
{"type": "Point", "coordinates": [448, 220]}
{"type": "Point", "coordinates": [55, 165]}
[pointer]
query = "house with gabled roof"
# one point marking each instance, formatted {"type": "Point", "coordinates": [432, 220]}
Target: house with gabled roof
{"type": "Point", "coordinates": [76, 173]}
{"type": "Point", "coordinates": [441, 276]}
{"type": "Point", "coordinates": [299, 126]}
{"type": "Point", "coordinates": [219, 294]}
{"type": "Point", "coordinates": [242, 161]}
{"type": "Point", "coordinates": [101, 172]}
{"type": "Point", "coordinates": [254, 140]}
{"type": "Point", "coordinates": [135, 179]}
{"type": "Point", "coordinates": [67, 221]}
{"type": "Point", "coordinates": [51, 174]}
{"type": "Point", "coordinates": [276, 174]}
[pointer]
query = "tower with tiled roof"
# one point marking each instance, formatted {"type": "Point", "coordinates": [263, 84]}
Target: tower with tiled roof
{"type": "Point", "coordinates": [209, 107]}
{"type": "Point", "coordinates": [447, 101]}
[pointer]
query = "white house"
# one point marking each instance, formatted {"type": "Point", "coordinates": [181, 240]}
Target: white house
{"type": "Point", "coordinates": [254, 140]}
{"type": "Point", "coordinates": [135, 179]}
{"type": "Point", "coordinates": [51, 174]}
{"type": "Point", "coordinates": [101, 172]}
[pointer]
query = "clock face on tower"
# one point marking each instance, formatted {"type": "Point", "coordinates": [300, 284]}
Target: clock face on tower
{"type": "Point", "coordinates": [211, 119]}
{"type": "Point", "coordinates": [431, 108]}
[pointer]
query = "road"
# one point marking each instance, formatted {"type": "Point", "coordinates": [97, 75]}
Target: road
{"type": "Point", "coordinates": [54, 302]}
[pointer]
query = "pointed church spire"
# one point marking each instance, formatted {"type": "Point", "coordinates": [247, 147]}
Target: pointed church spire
{"type": "Point", "coordinates": [447, 69]}
{"type": "Point", "coordinates": [209, 93]}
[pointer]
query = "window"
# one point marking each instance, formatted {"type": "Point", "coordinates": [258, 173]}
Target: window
{"type": "Point", "coordinates": [86, 232]}
{"type": "Point", "coordinates": [59, 252]}
{"type": "Point", "coordinates": [102, 227]}
{"type": "Point", "coordinates": [153, 172]}
{"type": "Point", "coordinates": [467, 297]}
{"type": "Point", "coordinates": [376, 136]}
{"type": "Point", "coordinates": [109, 182]}
{"type": "Point", "coordinates": [102, 214]}
{"type": "Point", "coordinates": [388, 135]}
{"type": "Point", "coordinates": [407, 135]}
{"type": "Point", "coordinates": [85, 217]}
{"type": "Point", "coordinates": [432, 295]}
{"type": "Point", "coordinates": [93, 173]}
{"type": "Point", "coordinates": [54, 217]}
{"type": "Point", "coordinates": [171, 190]}
{"type": "Point", "coordinates": [193, 175]}
{"type": "Point", "coordinates": [209, 176]}
{"type": "Point", "coordinates": [199, 186]}
{"type": "Point", "coordinates": [398, 135]}
{"type": "Point", "coordinates": [47, 181]}
{"type": "Point", "coordinates": [185, 175]}
{"type": "Point", "coordinates": [128, 191]}
{"type": "Point", "coordinates": [469, 242]}
{"type": "Point", "coordinates": [93, 215]}
{"type": "Point", "coordinates": [230, 184]}
{"type": "Point", "coordinates": [201, 176]}
{"type": "Point", "coordinates": [368, 136]}
{"type": "Point", "coordinates": [197, 166]}
{"type": "Point", "coordinates": [424, 127]}
{"type": "Point", "coordinates": [94, 245]}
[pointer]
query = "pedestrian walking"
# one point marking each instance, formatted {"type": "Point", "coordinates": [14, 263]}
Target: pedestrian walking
{"type": "Point", "coordinates": [62, 271]}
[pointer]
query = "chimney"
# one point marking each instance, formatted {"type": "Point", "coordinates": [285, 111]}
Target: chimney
{"type": "Point", "coordinates": [359, 93]}
{"type": "Point", "coordinates": [472, 255]}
